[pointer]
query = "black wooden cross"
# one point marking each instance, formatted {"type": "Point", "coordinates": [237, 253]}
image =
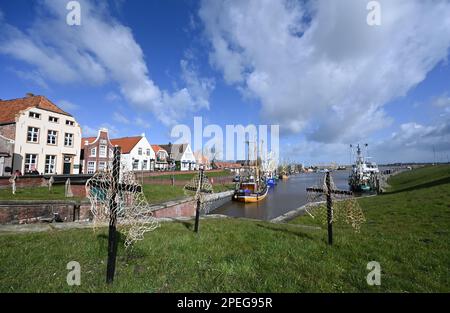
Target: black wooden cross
{"type": "Point", "coordinates": [328, 194]}
{"type": "Point", "coordinates": [199, 189]}
{"type": "Point", "coordinates": [116, 187]}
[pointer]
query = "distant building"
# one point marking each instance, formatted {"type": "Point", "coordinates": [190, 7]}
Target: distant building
{"type": "Point", "coordinates": [162, 157]}
{"type": "Point", "coordinates": [96, 152]}
{"type": "Point", "coordinates": [182, 155]}
{"type": "Point", "coordinates": [46, 139]}
{"type": "Point", "coordinates": [202, 160]}
{"type": "Point", "coordinates": [231, 166]}
{"type": "Point", "coordinates": [6, 155]}
{"type": "Point", "coordinates": [137, 153]}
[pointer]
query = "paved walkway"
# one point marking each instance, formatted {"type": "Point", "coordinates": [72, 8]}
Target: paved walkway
{"type": "Point", "coordinates": [41, 227]}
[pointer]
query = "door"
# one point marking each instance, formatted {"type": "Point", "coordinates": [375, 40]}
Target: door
{"type": "Point", "coordinates": [2, 164]}
{"type": "Point", "coordinates": [67, 165]}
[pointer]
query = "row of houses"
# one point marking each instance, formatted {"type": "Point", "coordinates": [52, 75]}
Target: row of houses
{"type": "Point", "coordinates": [38, 137]}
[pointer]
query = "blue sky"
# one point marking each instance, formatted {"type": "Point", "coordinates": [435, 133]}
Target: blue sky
{"type": "Point", "coordinates": [317, 70]}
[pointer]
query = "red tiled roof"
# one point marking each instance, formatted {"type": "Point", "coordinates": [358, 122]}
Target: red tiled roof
{"type": "Point", "coordinates": [127, 143]}
{"type": "Point", "coordinates": [89, 140]}
{"type": "Point", "coordinates": [157, 148]}
{"type": "Point", "coordinates": [10, 108]}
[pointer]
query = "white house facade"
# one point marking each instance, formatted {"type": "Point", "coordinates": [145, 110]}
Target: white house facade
{"type": "Point", "coordinates": [137, 153]}
{"type": "Point", "coordinates": [46, 139]}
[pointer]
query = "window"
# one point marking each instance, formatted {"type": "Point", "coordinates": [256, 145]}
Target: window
{"type": "Point", "coordinates": [70, 123]}
{"type": "Point", "coordinates": [91, 167]}
{"type": "Point", "coordinates": [140, 151]}
{"type": "Point", "coordinates": [33, 134]}
{"type": "Point", "coordinates": [53, 119]}
{"type": "Point", "coordinates": [50, 164]}
{"type": "Point", "coordinates": [101, 166]}
{"type": "Point", "coordinates": [68, 140]}
{"type": "Point", "coordinates": [161, 156]}
{"type": "Point", "coordinates": [30, 162]}
{"type": "Point", "coordinates": [34, 115]}
{"type": "Point", "coordinates": [144, 165]}
{"type": "Point", "coordinates": [102, 152]}
{"type": "Point", "coordinates": [135, 164]}
{"type": "Point", "coordinates": [52, 137]}
{"type": "Point", "coordinates": [148, 152]}
{"type": "Point", "coordinates": [111, 153]}
{"type": "Point", "coordinates": [93, 152]}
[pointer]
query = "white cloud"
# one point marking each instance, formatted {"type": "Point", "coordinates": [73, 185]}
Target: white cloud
{"type": "Point", "coordinates": [67, 105]}
{"type": "Point", "coordinates": [120, 118]}
{"type": "Point", "coordinates": [317, 66]}
{"type": "Point", "coordinates": [442, 101]}
{"type": "Point", "coordinates": [141, 122]}
{"type": "Point", "coordinates": [99, 50]}
{"type": "Point", "coordinates": [112, 96]}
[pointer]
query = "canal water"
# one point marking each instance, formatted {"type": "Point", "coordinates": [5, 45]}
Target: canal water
{"type": "Point", "coordinates": [287, 195]}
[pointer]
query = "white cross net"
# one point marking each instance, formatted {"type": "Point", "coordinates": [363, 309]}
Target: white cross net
{"type": "Point", "coordinates": [345, 207]}
{"type": "Point", "coordinates": [134, 215]}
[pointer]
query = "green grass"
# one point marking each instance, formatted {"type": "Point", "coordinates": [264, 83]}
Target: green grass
{"type": "Point", "coordinates": [153, 192]}
{"type": "Point", "coordinates": [187, 176]}
{"type": "Point", "coordinates": [407, 232]}
{"type": "Point", "coordinates": [35, 193]}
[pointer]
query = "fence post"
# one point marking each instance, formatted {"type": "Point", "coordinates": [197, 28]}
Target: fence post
{"type": "Point", "coordinates": [329, 210]}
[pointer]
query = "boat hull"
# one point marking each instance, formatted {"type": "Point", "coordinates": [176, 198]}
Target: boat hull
{"type": "Point", "coordinates": [252, 197]}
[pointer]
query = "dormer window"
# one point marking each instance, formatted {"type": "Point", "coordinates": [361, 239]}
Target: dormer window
{"type": "Point", "coordinates": [70, 123]}
{"type": "Point", "coordinates": [35, 115]}
{"type": "Point", "coordinates": [53, 119]}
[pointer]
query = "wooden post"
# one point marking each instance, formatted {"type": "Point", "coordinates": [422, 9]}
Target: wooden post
{"type": "Point", "coordinates": [112, 238]}
{"type": "Point", "coordinates": [329, 210]}
{"type": "Point", "coordinates": [197, 211]}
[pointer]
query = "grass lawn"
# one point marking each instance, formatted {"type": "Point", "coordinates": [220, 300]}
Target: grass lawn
{"type": "Point", "coordinates": [407, 232]}
{"type": "Point", "coordinates": [187, 176]}
{"type": "Point", "coordinates": [154, 193]}
{"type": "Point", "coordinates": [35, 193]}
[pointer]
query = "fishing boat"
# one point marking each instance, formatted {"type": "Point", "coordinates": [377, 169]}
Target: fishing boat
{"type": "Point", "coordinates": [252, 187]}
{"type": "Point", "coordinates": [364, 174]}
{"type": "Point", "coordinates": [251, 192]}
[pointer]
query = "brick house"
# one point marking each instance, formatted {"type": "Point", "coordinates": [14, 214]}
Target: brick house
{"type": "Point", "coordinates": [96, 152]}
{"type": "Point", "coordinates": [46, 138]}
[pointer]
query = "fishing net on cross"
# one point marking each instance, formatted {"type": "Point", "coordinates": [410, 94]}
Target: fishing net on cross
{"type": "Point", "coordinates": [346, 210]}
{"type": "Point", "coordinates": [109, 191]}
{"type": "Point", "coordinates": [201, 189]}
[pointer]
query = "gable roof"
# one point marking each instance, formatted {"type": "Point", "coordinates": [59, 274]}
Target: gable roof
{"type": "Point", "coordinates": [177, 150]}
{"type": "Point", "coordinates": [88, 139]}
{"type": "Point", "coordinates": [10, 108]}
{"type": "Point", "coordinates": [126, 143]}
{"type": "Point", "coordinates": [157, 148]}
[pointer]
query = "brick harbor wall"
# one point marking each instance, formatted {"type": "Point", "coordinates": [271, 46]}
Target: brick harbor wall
{"type": "Point", "coordinates": [32, 211]}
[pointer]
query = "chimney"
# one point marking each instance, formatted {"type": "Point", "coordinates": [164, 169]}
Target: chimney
{"type": "Point", "coordinates": [29, 94]}
{"type": "Point", "coordinates": [143, 135]}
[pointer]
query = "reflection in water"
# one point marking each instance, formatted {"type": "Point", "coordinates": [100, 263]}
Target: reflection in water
{"type": "Point", "coordinates": [286, 196]}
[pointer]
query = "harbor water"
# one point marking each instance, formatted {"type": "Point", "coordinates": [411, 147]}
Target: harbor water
{"type": "Point", "coordinates": [287, 195]}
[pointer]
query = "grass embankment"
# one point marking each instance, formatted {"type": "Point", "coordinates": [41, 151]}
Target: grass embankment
{"type": "Point", "coordinates": [155, 193]}
{"type": "Point", "coordinates": [34, 193]}
{"type": "Point", "coordinates": [407, 232]}
{"type": "Point", "coordinates": [187, 176]}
